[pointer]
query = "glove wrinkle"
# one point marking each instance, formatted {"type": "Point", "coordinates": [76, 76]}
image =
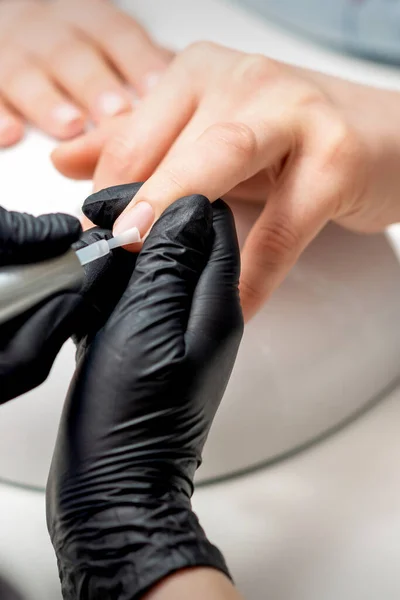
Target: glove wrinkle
{"type": "Point", "coordinates": [104, 207]}
{"type": "Point", "coordinates": [31, 341]}
{"type": "Point", "coordinates": [147, 387]}
{"type": "Point", "coordinates": [160, 536]}
{"type": "Point", "coordinates": [32, 348]}
{"type": "Point", "coordinates": [26, 239]}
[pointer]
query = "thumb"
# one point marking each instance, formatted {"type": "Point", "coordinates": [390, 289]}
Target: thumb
{"type": "Point", "coordinates": [159, 296]}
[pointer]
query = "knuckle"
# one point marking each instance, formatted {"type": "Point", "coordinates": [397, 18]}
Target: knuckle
{"type": "Point", "coordinates": [120, 32]}
{"type": "Point", "coordinates": [343, 144]}
{"type": "Point", "coordinates": [277, 241]}
{"type": "Point", "coordinates": [194, 58]}
{"type": "Point", "coordinates": [13, 60]}
{"type": "Point", "coordinates": [341, 155]}
{"type": "Point", "coordinates": [311, 97]}
{"type": "Point", "coordinates": [172, 177]}
{"type": "Point", "coordinates": [118, 155]}
{"type": "Point", "coordinates": [65, 50]}
{"type": "Point", "coordinates": [90, 82]}
{"type": "Point", "coordinates": [199, 59]}
{"type": "Point", "coordinates": [200, 49]}
{"type": "Point", "coordinates": [346, 159]}
{"type": "Point", "coordinates": [238, 136]}
{"type": "Point", "coordinates": [257, 70]}
{"type": "Point", "coordinates": [340, 144]}
{"type": "Point", "coordinates": [251, 293]}
{"type": "Point", "coordinates": [17, 14]}
{"type": "Point", "coordinates": [13, 81]}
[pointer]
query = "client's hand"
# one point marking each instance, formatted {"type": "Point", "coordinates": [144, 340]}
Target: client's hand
{"type": "Point", "coordinates": [309, 147]}
{"type": "Point", "coordinates": [147, 387]}
{"type": "Point", "coordinates": [63, 60]}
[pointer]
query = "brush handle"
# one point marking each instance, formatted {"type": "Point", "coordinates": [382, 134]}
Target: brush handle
{"type": "Point", "coordinates": [24, 286]}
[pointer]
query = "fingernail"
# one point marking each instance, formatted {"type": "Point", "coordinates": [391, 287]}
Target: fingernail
{"type": "Point", "coordinates": [151, 80]}
{"type": "Point", "coordinates": [67, 113]}
{"type": "Point", "coordinates": [69, 117]}
{"type": "Point", "coordinates": [111, 104]}
{"type": "Point", "coordinates": [141, 215]}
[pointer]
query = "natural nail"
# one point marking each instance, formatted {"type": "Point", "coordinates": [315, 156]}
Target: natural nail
{"type": "Point", "coordinates": [70, 118]}
{"type": "Point", "coordinates": [112, 103]}
{"type": "Point", "coordinates": [66, 113]}
{"type": "Point", "coordinates": [141, 215]}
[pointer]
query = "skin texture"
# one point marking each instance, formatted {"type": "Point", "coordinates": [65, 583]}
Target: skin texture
{"type": "Point", "coordinates": [195, 584]}
{"type": "Point", "coordinates": [67, 60]}
{"type": "Point", "coordinates": [308, 147]}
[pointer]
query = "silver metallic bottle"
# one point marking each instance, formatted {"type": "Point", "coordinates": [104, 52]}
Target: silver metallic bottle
{"type": "Point", "coordinates": [24, 286]}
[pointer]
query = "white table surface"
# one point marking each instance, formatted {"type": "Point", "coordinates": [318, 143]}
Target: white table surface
{"type": "Point", "coordinates": [321, 526]}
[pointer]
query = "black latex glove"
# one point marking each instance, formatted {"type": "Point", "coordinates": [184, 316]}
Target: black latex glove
{"type": "Point", "coordinates": [30, 342]}
{"type": "Point", "coordinates": [27, 239]}
{"type": "Point", "coordinates": [140, 408]}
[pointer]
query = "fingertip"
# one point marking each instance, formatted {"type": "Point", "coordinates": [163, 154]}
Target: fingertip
{"type": "Point", "coordinates": [66, 121]}
{"type": "Point", "coordinates": [57, 157]}
{"type": "Point", "coordinates": [70, 131]}
{"type": "Point", "coordinates": [78, 158]}
{"type": "Point", "coordinates": [64, 163]}
{"type": "Point", "coordinates": [12, 131]}
{"type": "Point", "coordinates": [72, 161]}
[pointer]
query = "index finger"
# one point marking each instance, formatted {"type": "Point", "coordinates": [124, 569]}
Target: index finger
{"type": "Point", "coordinates": [222, 157]}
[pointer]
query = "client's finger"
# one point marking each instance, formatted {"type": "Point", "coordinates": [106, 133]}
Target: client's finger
{"type": "Point", "coordinates": [11, 126]}
{"type": "Point", "coordinates": [77, 159]}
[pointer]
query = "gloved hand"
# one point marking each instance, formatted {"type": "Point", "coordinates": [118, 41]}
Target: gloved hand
{"type": "Point", "coordinates": [140, 407]}
{"type": "Point", "coordinates": [30, 342]}
{"type": "Point", "coordinates": [27, 239]}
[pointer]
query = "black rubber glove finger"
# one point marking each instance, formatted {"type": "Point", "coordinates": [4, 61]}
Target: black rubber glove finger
{"type": "Point", "coordinates": [30, 343]}
{"type": "Point", "coordinates": [162, 286]}
{"type": "Point", "coordinates": [28, 239]}
{"type": "Point", "coordinates": [104, 207]}
{"type": "Point", "coordinates": [100, 274]}
{"type": "Point", "coordinates": [216, 312]}
{"type": "Point", "coordinates": [215, 327]}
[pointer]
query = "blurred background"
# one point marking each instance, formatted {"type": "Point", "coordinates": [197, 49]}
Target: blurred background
{"type": "Point", "coordinates": [365, 27]}
{"type": "Point", "coordinates": [300, 484]}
